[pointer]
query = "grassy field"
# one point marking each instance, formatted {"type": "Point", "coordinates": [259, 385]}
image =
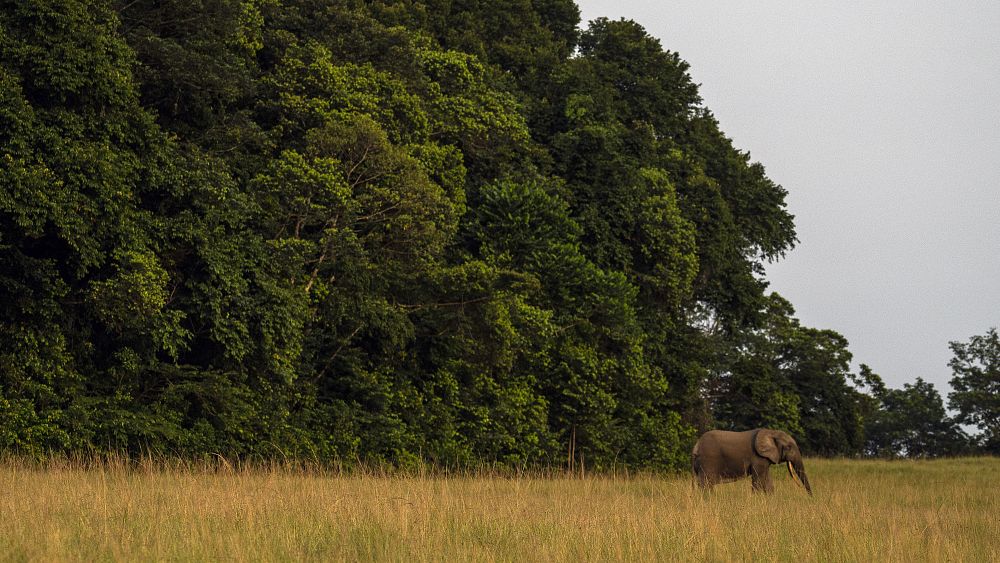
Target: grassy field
{"type": "Point", "coordinates": [946, 510]}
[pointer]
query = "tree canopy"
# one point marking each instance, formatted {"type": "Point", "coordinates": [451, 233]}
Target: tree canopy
{"type": "Point", "coordinates": [976, 383]}
{"type": "Point", "coordinates": [453, 232]}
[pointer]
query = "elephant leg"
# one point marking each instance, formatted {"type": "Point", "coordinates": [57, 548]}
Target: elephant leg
{"type": "Point", "coordinates": [760, 477]}
{"type": "Point", "coordinates": [704, 484]}
{"type": "Point", "coordinates": [704, 481]}
{"type": "Point", "coordinates": [700, 475]}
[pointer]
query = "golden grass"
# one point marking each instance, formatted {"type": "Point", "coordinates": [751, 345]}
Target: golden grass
{"type": "Point", "coordinates": [947, 510]}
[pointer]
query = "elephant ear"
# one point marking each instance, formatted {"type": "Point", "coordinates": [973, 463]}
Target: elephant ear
{"type": "Point", "coordinates": [765, 446]}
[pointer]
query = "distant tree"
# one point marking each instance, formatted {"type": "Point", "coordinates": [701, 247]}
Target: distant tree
{"type": "Point", "coordinates": [755, 391]}
{"type": "Point", "coordinates": [796, 378]}
{"type": "Point", "coordinates": [912, 422]}
{"type": "Point", "coordinates": [976, 383]}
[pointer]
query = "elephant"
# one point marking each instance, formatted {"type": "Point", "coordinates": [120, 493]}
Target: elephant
{"type": "Point", "coordinates": [720, 456]}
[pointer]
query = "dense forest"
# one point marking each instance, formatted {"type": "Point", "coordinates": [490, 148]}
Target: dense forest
{"type": "Point", "coordinates": [452, 232]}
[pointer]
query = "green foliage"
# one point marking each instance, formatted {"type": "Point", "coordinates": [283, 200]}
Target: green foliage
{"type": "Point", "coordinates": [912, 421]}
{"type": "Point", "coordinates": [795, 378]}
{"type": "Point", "coordinates": [976, 382]}
{"type": "Point", "coordinates": [457, 232]}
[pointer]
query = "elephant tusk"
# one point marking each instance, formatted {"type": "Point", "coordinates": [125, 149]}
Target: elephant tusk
{"type": "Point", "coordinates": [795, 476]}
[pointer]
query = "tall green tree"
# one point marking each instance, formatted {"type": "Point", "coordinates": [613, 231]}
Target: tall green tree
{"type": "Point", "coordinates": [628, 112]}
{"type": "Point", "coordinates": [452, 231]}
{"type": "Point", "coordinates": [976, 382]}
{"type": "Point", "coordinates": [603, 393]}
{"type": "Point", "coordinates": [755, 389]}
{"type": "Point", "coordinates": [912, 422]}
{"type": "Point", "coordinates": [99, 213]}
{"type": "Point", "coordinates": [794, 378]}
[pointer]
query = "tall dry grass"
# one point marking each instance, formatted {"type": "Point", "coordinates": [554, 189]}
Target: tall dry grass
{"type": "Point", "coordinates": [946, 510]}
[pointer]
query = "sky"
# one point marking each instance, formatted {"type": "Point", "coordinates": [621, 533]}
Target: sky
{"type": "Point", "coordinates": [882, 121]}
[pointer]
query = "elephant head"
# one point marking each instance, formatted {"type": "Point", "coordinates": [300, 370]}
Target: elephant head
{"type": "Point", "coordinates": [778, 447]}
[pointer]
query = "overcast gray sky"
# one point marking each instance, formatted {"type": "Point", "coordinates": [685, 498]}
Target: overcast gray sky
{"type": "Point", "coordinates": [882, 120]}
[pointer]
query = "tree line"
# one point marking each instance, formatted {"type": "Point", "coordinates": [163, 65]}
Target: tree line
{"type": "Point", "coordinates": [453, 232]}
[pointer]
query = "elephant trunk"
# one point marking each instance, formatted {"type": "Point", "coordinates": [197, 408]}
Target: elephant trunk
{"type": "Point", "coordinates": [798, 472]}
